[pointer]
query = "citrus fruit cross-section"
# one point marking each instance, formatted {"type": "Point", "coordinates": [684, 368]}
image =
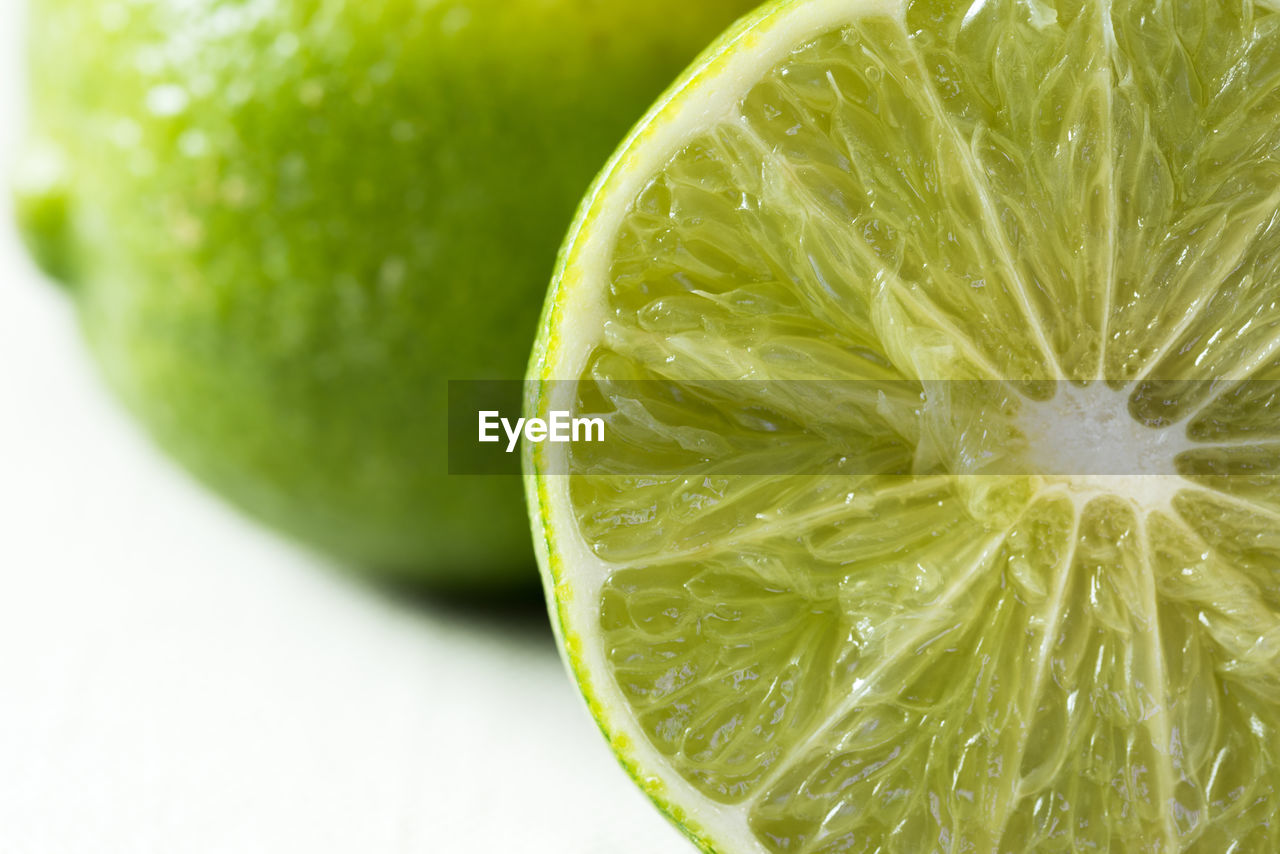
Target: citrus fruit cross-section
{"type": "Point", "coordinates": [1044, 235]}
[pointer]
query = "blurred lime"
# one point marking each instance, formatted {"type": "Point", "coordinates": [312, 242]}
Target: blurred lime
{"type": "Point", "coordinates": [287, 224]}
{"type": "Point", "coordinates": [843, 214]}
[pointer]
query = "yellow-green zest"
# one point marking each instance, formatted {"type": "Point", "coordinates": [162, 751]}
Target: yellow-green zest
{"type": "Point", "coordinates": [1077, 204]}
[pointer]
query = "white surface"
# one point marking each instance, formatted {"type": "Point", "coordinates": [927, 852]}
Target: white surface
{"type": "Point", "coordinates": [172, 679]}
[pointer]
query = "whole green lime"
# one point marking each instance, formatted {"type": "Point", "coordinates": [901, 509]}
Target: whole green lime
{"type": "Point", "coordinates": [287, 224]}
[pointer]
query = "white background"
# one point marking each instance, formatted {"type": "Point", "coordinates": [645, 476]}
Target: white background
{"type": "Point", "coordinates": [173, 679]}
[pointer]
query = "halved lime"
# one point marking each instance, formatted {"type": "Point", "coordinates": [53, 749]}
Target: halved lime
{"type": "Point", "coordinates": [896, 649]}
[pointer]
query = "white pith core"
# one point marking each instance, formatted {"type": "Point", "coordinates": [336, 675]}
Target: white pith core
{"type": "Point", "coordinates": [1086, 440]}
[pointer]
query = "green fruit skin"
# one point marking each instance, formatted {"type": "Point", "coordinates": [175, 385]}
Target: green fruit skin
{"type": "Point", "coordinates": [287, 224]}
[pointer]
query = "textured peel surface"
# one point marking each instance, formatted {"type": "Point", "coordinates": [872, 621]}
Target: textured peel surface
{"type": "Point", "coordinates": [1072, 198]}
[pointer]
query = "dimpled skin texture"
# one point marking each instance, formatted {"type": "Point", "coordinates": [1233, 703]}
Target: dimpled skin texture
{"type": "Point", "coordinates": [286, 224]}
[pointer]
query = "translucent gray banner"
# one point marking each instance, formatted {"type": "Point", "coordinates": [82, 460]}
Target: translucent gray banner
{"type": "Point", "coordinates": [1188, 428]}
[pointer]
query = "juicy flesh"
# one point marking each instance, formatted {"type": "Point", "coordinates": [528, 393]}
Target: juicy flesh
{"type": "Point", "coordinates": [1082, 200]}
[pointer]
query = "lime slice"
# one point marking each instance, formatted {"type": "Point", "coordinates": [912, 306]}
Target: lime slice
{"type": "Point", "coordinates": [1077, 204]}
